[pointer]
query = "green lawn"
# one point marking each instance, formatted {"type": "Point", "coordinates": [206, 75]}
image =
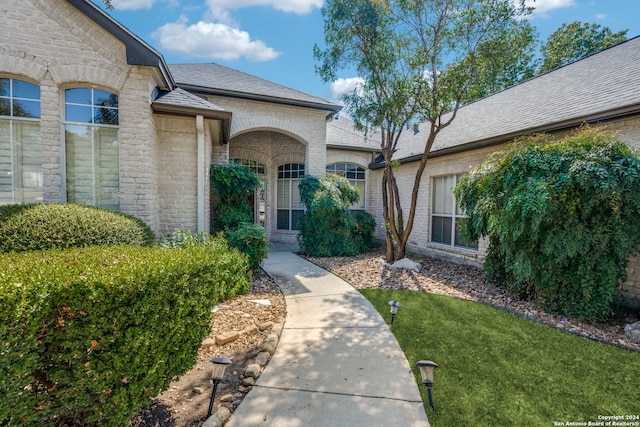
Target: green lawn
{"type": "Point", "coordinates": [496, 369]}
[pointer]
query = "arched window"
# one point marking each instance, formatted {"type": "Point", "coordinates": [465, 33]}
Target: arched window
{"type": "Point", "coordinates": [355, 175]}
{"type": "Point", "coordinates": [289, 205]}
{"type": "Point", "coordinates": [20, 147]}
{"type": "Point", "coordinates": [254, 166]}
{"type": "Point", "coordinates": [92, 147]}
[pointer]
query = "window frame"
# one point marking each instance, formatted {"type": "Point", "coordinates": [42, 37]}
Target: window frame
{"type": "Point", "coordinates": [332, 168]}
{"type": "Point", "coordinates": [99, 134]}
{"type": "Point", "coordinates": [290, 173]}
{"type": "Point", "coordinates": [24, 159]}
{"type": "Point", "coordinates": [455, 215]}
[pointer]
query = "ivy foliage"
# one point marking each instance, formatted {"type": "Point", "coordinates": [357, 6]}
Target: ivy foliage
{"type": "Point", "coordinates": [562, 218]}
{"type": "Point", "coordinates": [328, 227]}
{"type": "Point", "coordinates": [234, 184]}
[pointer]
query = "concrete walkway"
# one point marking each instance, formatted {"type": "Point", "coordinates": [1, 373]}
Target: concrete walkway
{"type": "Point", "coordinates": [337, 362]}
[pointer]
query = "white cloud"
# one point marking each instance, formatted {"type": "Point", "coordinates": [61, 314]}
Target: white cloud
{"type": "Point", "coordinates": [132, 4]}
{"type": "Point", "coordinates": [342, 86]}
{"type": "Point", "coordinates": [601, 16]}
{"type": "Point", "coordinates": [544, 6]}
{"type": "Point", "coordinates": [299, 7]}
{"type": "Point", "coordinates": [212, 41]}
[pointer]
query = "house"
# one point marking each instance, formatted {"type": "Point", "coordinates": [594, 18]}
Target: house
{"type": "Point", "coordinates": [603, 88]}
{"type": "Point", "coordinates": [91, 114]}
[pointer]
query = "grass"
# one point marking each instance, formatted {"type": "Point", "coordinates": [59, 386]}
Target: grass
{"type": "Point", "coordinates": [496, 369]}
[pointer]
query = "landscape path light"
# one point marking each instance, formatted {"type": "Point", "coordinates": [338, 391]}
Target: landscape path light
{"type": "Point", "coordinates": [395, 305]}
{"type": "Point", "coordinates": [426, 370]}
{"type": "Point", "coordinates": [219, 366]}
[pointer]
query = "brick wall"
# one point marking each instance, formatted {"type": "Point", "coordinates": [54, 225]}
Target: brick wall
{"type": "Point", "coordinates": [52, 44]}
{"type": "Point", "coordinates": [177, 184]}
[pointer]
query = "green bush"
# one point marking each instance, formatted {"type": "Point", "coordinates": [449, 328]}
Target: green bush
{"type": "Point", "coordinates": [40, 226]}
{"type": "Point", "coordinates": [562, 219]}
{"type": "Point", "coordinates": [328, 228]}
{"type": "Point", "coordinates": [234, 184]}
{"type": "Point", "coordinates": [93, 334]}
{"type": "Point", "coordinates": [251, 240]}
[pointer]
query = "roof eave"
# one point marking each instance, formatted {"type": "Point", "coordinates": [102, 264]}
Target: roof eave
{"type": "Point", "coordinates": [138, 52]}
{"type": "Point", "coordinates": [257, 97]}
{"type": "Point", "coordinates": [352, 148]}
{"type": "Point", "coordinates": [177, 110]}
{"type": "Point", "coordinates": [601, 117]}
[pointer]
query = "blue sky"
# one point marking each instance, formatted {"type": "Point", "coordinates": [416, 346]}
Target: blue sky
{"type": "Point", "coordinates": [274, 39]}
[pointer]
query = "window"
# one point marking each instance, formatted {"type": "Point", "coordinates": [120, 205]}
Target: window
{"type": "Point", "coordinates": [446, 215]}
{"type": "Point", "coordinates": [255, 167]}
{"type": "Point", "coordinates": [20, 148]}
{"type": "Point", "coordinates": [92, 147]}
{"type": "Point", "coordinates": [355, 175]}
{"type": "Point", "coordinates": [290, 207]}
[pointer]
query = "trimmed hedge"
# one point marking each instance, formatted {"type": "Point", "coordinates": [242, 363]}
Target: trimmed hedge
{"type": "Point", "coordinates": [93, 334]}
{"type": "Point", "coordinates": [40, 226]}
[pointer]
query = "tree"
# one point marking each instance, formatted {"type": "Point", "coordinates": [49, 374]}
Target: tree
{"type": "Point", "coordinates": [562, 218]}
{"type": "Point", "coordinates": [420, 61]}
{"type": "Point", "coordinates": [574, 41]}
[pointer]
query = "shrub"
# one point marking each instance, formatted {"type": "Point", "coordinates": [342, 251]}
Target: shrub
{"type": "Point", "coordinates": [40, 226]}
{"type": "Point", "coordinates": [328, 228]}
{"type": "Point", "coordinates": [562, 219]}
{"type": "Point", "coordinates": [93, 334]}
{"type": "Point", "coordinates": [233, 185]}
{"type": "Point", "coordinates": [251, 240]}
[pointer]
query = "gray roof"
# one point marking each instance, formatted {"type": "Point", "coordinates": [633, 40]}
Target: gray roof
{"type": "Point", "coordinates": [598, 88]}
{"type": "Point", "coordinates": [342, 134]}
{"type": "Point", "coordinates": [180, 98]}
{"type": "Point", "coordinates": [219, 80]}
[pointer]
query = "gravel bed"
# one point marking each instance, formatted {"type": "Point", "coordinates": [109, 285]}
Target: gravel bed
{"type": "Point", "coordinates": [465, 282]}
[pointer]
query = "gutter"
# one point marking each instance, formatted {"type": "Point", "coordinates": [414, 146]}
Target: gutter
{"type": "Point", "coordinates": [256, 97]}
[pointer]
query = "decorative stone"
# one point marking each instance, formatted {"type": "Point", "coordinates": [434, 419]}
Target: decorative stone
{"type": "Point", "coordinates": [632, 332]}
{"type": "Point", "coordinates": [278, 327]}
{"type": "Point", "coordinates": [250, 330]}
{"type": "Point", "coordinates": [218, 418]}
{"type": "Point", "coordinates": [209, 342]}
{"type": "Point", "coordinates": [227, 397]}
{"type": "Point", "coordinates": [271, 343]}
{"type": "Point", "coordinates": [252, 370]}
{"type": "Point", "coordinates": [263, 358]}
{"type": "Point", "coordinates": [244, 389]}
{"type": "Point", "coordinates": [406, 264]}
{"type": "Point", "coordinates": [249, 381]}
{"type": "Point", "coordinates": [265, 325]}
{"type": "Point", "coordinates": [198, 390]}
{"type": "Point", "coordinates": [227, 337]}
{"type": "Point", "coordinates": [264, 302]}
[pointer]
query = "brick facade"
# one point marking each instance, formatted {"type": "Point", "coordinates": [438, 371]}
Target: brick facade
{"type": "Point", "coordinates": [420, 240]}
{"type": "Point", "coordinates": [62, 49]}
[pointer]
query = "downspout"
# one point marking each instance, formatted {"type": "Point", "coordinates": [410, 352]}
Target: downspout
{"type": "Point", "coordinates": [201, 171]}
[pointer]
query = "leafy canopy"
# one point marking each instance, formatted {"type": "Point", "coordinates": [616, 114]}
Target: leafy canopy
{"type": "Point", "coordinates": [562, 218]}
{"type": "Point", "coordinates": [419, 61]}
{"type": "Point", "coordinates": [574, 41]}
